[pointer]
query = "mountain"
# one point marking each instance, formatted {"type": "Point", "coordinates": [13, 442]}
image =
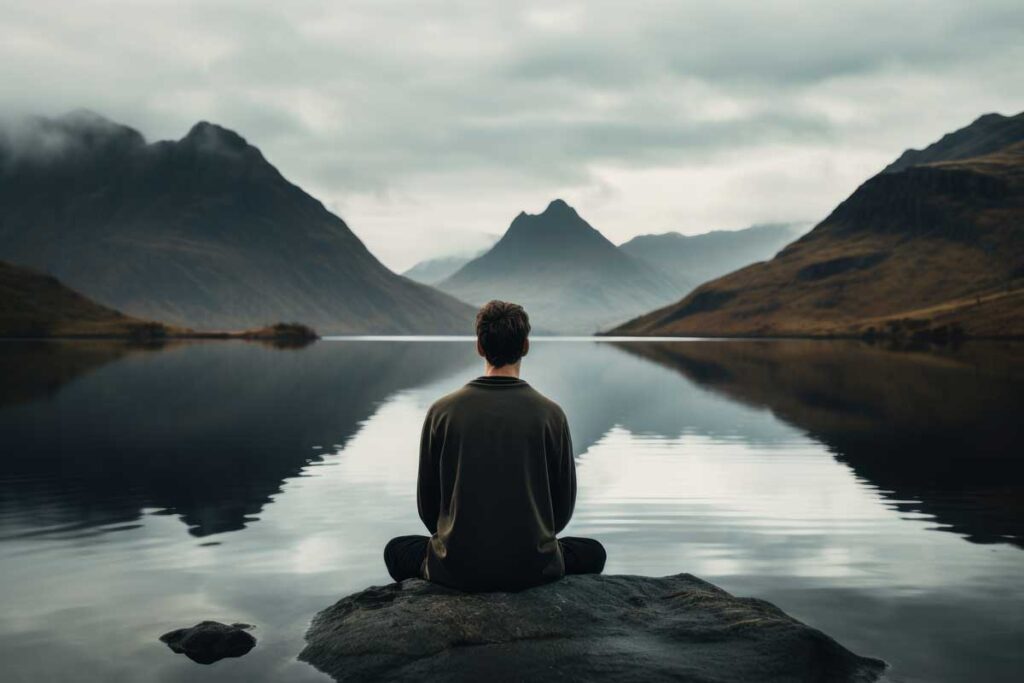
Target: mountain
{"type": "Point", "coordinates": [568, 276]}
{"type": "Point", "coordinates": [202, 232]}
{"type": "Point", "coordinates": [432, 271]}
{"type": "Point", "coordinates": [37, 305]}
{"type": "Point", "coordinates": [937, 247]}
{"type": "Point", "coordinates": [688, 260]}
{"type": "Point", "coordinates": [989, 133]}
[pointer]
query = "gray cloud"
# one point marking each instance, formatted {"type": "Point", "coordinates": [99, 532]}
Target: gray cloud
{"type": "Point", "coordinates": [422, 124]}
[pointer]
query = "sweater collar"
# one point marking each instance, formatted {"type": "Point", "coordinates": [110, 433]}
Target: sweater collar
{"type": "Point", "coordinates": [497, 381]}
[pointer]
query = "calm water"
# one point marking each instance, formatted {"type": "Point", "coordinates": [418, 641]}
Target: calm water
{"type": "Point", "coordinates": [877, 495]}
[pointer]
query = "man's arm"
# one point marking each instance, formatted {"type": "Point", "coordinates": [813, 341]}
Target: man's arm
{"type": "Point", "coordinates": [563, 481]}
{"type": "Point", "coordinates": [428, 485]}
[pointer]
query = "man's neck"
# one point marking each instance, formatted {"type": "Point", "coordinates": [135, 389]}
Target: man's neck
{"type": "Point", "coordinates": [503, 371]}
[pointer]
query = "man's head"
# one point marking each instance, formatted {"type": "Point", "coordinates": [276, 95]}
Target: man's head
{"type": "Point", "coordinates": [501, 333]}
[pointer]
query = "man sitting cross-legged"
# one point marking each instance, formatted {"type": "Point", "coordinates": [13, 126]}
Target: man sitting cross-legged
{"type": "Point", "coordinates": [497, 479]}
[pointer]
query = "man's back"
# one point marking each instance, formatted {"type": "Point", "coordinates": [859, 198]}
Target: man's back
{"type": "Point", "coordinates": [497, 482]}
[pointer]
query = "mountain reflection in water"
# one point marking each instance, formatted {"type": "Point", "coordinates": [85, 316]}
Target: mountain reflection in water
{"type": "Point", "coordinates": [937, 433]}
{"type": "Point", "coordinates": [205, 431]}
{"type": "Point", "coordinates": [810, 474]}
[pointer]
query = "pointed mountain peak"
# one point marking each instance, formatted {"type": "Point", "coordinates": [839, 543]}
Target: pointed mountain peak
{"type": "Point", "coordinates": [211, 135]}
{"type": "Point", "coordinates": [557, 216]}
{"type": "Point", "coordinates": [557, 227]}
{"type": "Point", "coordinates": [559, 206]}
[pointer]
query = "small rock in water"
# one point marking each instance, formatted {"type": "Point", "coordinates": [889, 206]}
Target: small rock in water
{"type": "Point", "coordinates": [210, 641]}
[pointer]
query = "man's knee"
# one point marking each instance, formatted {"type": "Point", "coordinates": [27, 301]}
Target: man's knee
{"type": "Point", "coordinates": [391, 554]}
{"type": "Point", "coordinates": [583, 555]}
{"type": "Point", "coordinates": [597, 555]}
{"type": "Point", "coordinates": [404, 555]}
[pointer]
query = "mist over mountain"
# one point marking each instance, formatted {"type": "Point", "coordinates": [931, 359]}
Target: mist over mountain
{"type": "Point", "coordinates": [915, 248]}
{"type": "Point", "coordinates": [570, 278]}
{"type": "Point", "coordinates": [202, 232]}
{"type": "Point", "coordinates": [689, 260]}
{"type": "Point", "coordinates": [432, 270]}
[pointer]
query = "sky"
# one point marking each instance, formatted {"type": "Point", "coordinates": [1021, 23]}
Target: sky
{"type": "Point", "coordinates": [428, 126]}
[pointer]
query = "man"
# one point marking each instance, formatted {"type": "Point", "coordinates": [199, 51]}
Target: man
{"type": "Point", "coordinates": [497, 479]}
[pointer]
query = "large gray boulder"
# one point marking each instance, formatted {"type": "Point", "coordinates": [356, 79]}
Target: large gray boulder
{"type": "Point", "coordinates": [622, 628]}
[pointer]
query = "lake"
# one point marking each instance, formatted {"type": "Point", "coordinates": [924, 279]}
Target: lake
{"type": "Point", "coordinates": [875, 494]}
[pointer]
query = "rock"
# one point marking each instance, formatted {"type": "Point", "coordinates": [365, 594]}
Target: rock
{"type": "Point", "coordinates": [585, 628]}
{"type": "Point", "coordinates": [210, 641]}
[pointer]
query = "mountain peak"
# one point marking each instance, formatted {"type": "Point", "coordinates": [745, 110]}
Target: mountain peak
{"type": "Point", "coordinates": [986, 134]}
{"type": "Point", "coordinates": [206, 134]}
{"type": "Point", "coordinates": [557, 205]}
{"type": "Point", "coordinates": [557, 218]}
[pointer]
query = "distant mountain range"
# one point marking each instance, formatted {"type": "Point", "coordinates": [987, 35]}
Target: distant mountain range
{"type": "Point", "coordinates": [689, 260]}
{"type": "Point", "coordinates": [569, 277]}
{"type": "Point", "coordinates": [433, 270]}
{"type": "Point", "coordinates": [201, 232]}
{"type": "Point", "coordinates": [935, 240]}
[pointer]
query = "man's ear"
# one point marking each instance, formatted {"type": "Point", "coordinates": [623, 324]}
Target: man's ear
{"type": "Point", "coordinates": [526, 347]}
{"type": "Point", "coordinates": [479, 349]}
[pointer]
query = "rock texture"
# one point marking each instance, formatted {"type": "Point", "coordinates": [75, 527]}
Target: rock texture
{"type": "Point", "coordinates": [585, 628]}
{"type": "Point", "coordinates": [210, 641]}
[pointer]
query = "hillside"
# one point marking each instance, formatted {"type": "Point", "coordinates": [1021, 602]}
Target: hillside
{"type": "Point", "coordinates": [989, 133]}
{"type": "Point", "coordinates": [689, 260]}
{"type": "Point", "coordinates": [920, 248]}
{"type": "Point", "coordinates": [36, 305]}
{"type": "Point", "coordinates": [201, 232]}
{"type": "Point", "coordinates": [569, 277]}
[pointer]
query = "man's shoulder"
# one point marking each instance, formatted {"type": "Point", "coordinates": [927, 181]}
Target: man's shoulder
{"type": "Point", "coordinates": [547, 404]}
{"type": "Point", "coordinates": [451, 398]}
{"type": "Point", "coordinates": [469, 394]}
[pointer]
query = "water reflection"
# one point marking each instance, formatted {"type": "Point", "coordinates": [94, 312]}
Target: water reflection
{"type": "Point", "coordinates": [701, 457]}
{"type": "Point", "coordinates": [938, 434]}
{"type": "Point", "coordinates": [207, 431]}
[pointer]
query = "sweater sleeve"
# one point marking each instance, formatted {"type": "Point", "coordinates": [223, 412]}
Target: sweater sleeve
{"type": "Point", "coordinates": [563, 483]}
{"type": "Point", "coordinates": [428, 485]}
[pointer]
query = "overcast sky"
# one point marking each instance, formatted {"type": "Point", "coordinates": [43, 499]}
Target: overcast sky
{"type": "Point", "coordinates": [429, 126]}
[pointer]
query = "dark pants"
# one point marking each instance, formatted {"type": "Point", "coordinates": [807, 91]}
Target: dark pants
{"type": "Point", "coordinates": [404, 556]}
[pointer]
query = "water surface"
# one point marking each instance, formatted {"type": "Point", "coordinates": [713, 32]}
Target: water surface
{"type": "Point", "coordinates": [877, 495]}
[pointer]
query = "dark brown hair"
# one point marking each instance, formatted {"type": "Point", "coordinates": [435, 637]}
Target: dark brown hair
{"type": "Point", "coordinates": [501, 329]}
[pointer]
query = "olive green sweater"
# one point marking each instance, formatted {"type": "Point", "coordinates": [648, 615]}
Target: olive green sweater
{"type": "Point", "coordinates": [497, 481]}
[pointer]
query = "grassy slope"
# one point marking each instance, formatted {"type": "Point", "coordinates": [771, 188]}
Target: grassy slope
{"type": "Point", "coordinates": [36, 305]}
{"type": "Point", "coordinates": [940, 243]}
